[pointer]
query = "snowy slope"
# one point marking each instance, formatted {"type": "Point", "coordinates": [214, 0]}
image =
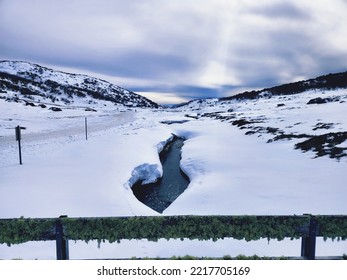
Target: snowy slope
{"type": "Point", "coordinates": [253, 151]}
{"type": "Point", "coordinates": [36, 86]}
{"type": "Point", "coordinates": [240, 155]}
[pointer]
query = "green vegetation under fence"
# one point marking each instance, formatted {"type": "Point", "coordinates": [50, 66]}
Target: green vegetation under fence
{"type": "Point", "coordinates": [115, 229]}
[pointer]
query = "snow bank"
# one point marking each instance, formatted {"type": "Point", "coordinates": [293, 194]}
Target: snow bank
{"type": "Point", "coordinates": [147, 173]}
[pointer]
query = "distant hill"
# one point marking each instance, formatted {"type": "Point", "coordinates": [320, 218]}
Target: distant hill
{"type": "Point", "coordinates": [37, 85]}
{"type": "Point", "coordinates": [328, 82]}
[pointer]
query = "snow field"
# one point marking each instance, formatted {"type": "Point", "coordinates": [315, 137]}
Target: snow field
{"type": "Point", "coordinates": [230, 173]}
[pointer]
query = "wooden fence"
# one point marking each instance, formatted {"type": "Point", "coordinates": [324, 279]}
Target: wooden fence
{"type": "Point", "coordinates": [63, 229]}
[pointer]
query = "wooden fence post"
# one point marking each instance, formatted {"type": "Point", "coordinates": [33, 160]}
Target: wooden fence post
{"type": "Point", "coordinates": [62, 244]}
{"type": "Point", "coordinates": [308, 243]}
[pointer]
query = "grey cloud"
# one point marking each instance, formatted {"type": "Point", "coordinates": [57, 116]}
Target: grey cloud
{"type": "Point", "coordinates": [185, 91]}
{"type": "Point", "coordinates": [286, 10]}
{"type": "Point", "coordinates": [173, 43]}
{"type": "Point", "coordinates": [149, 65]}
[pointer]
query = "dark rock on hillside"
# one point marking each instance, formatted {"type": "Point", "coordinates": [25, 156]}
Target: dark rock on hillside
{"type": "Point", "coordinates": [325, 144]}
{"type": "Point", "coordinates": [320, 100]}
{"type": "Point", "coordinates": [55, 109]}
{"type": "Point", "coordinates": [323, 126]}
{"type": "Point", "coordinates": [242, 122]}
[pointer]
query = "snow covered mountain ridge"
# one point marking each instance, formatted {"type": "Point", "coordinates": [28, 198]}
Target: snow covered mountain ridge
{"type": "Point", "coordinates": [309, 114]}
{"type": "Point", "coordinates": [38, 85]}
{"type": "Point", "coordinates": [327, 82]}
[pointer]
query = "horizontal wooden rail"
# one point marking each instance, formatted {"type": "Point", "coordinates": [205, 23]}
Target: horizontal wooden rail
{"type": "Point", "coordinates": [114, 229]}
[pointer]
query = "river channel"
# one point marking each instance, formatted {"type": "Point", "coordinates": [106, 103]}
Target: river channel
{"type": "Point", "coordinates": [161, 194]}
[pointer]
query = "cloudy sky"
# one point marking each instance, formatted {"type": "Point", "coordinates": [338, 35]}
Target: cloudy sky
{"type": "Point", "coordinates": [176, 50]}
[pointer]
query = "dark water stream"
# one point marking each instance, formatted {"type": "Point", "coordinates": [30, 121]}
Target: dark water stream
{"type": "Point", "coordinates": [161, 194]}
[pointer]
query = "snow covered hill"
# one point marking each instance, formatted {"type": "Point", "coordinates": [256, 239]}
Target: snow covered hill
{"type": "Point", "coordinates": [326, 82]}
{"type": "Point", "coordinates": [322, 83]}
{"type": "Point", "coordinates": [313, 121]}
{"type": "Point", "coordinates": [35, 85]}
{"type": "Point", "coordinates": [310, 113]}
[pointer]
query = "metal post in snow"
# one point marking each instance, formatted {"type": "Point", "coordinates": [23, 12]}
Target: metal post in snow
{"type": "Point", "coordinates": [20, 153]}
{"type": "Point", "coordinates": [18, 138]}
{"type": "Point", "coordinates": [86, 127]}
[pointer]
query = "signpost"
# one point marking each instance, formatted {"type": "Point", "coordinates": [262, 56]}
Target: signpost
{"type": "Point", "coordinates": [18, 138]}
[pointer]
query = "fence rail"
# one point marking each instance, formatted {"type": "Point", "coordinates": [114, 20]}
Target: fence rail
{"type": "Point", "coordinates": [114, 229]}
